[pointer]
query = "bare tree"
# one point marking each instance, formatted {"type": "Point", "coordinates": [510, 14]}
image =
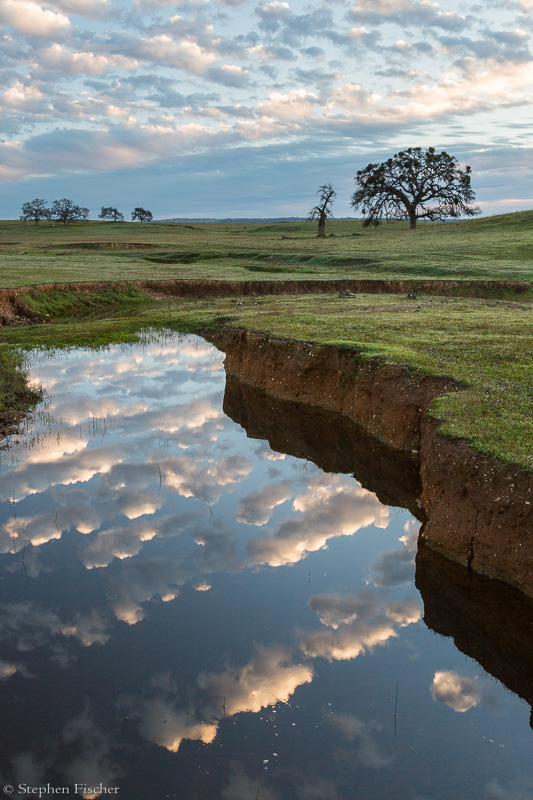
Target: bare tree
{"type": "Point", "coordinates": [322, 210]}
{"type": "Point", "coordinates": [414, 184]}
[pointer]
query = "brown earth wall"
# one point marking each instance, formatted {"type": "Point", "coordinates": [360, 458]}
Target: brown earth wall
{"type": "Point", "coordinates": [13, 309]}
{"type": "Point", "coordinates": [479, 511]}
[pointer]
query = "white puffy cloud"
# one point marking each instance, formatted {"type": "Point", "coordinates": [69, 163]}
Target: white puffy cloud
{"type": "Point", "coordinates": [267, 679]}
{"type": "Point", "coordinates": [486, 85]}
{"type": "Point", "coordinates": [33, 478]}
{"type": "Point", "coordinates": [167, 727]}
{"type": "Point", "coordinates": [331, 507]}
{"type": "Point", "coordinates": [186, 55]}
{"type": "Point", "coordinates": [296, 105]}
{"type": "Point", "coordinates": [7, 670]}
{"type": "Point", "coordinates": [126, 540]}
{"type": "Point", "coordinates": [20, 97]}
{"type": "Point", "coordinates": [86, 8]}
{"type": "Point", "coordinates": [409, 12]}
{"type": "Point", "coordinates": [117, 542]}
{"type": "Point", "coordinates": [352, 97]}
{"type": "Point", "coordinates": [191, 478]}
{"type": "Point", "coordinates": [142, 580]}
{"type": "Point", "coordinates": [357, 624]}
{"type": "Point", "coordinates": [57, 57]}
{"type": "Point", "coordinates": [456, 691]}
{"type": "Point", "coordinates": [28, 625]}
{"type": "Point", "coordinates": [29, 18]}
{"type": "Point", "coordinates": [257, 508]}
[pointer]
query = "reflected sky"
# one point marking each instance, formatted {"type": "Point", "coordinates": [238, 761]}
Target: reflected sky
{"type": "Point", "coordinates": [186, 612]}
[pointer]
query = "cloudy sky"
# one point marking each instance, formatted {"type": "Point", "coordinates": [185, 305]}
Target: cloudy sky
{"type": "Point", "coordinates": [243, 108]}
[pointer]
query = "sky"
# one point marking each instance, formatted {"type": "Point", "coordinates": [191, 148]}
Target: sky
{"type": "Point", "coordinates": [239, 108]}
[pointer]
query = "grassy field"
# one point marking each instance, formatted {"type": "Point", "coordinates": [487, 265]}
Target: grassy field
{"type": "Point", "coordinates": [485, 344]}
{"type": "Point", "coordinates": [493, 248]}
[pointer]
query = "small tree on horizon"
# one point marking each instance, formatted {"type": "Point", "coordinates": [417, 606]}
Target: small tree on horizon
{"type": "Point", "coordinates": [141, 214]}
{"type": "Point", "coordinates": [109, 212]}
{"type": "Point", "coordinates": [66, 211]}
{"type": "Point", "coordinates": [414, 184]}
{"type": "Point", "coordinates": [35, 210]}
{"type": "Point", "coordinates": [322, 210]}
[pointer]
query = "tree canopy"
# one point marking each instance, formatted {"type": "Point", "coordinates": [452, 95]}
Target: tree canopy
{"type": "Point", "coordinates": [109, 212]}
{"type": "Point", "coordinates": [414, 184]}
{"type": "Point", "coordinates": [66, 211]}
{"type": "Point", "coordinates": [141, 214]}
{"type": "Point", "coordinates": [35, 210]}
{"type": "Point", "coordinates": [322, 210]}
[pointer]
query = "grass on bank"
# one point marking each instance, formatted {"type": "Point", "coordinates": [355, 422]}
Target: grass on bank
{"type": "Point", "coordinates": [490, 248]}
{"type": "Point", "coordinates": [16, 399]}
{"type": "Point", "coordinates": [486, 345]}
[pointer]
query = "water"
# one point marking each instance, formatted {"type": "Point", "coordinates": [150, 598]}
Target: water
{"type": "Point", "coordinates": [189, 611]}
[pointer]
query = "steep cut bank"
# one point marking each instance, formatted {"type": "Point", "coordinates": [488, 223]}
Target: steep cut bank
{"type": "Point", "coordinates": [488, 619]}
{"type": "Point", "coordinates": [478, 511]}
{"type": "Point", "coordinates": [15, 303]}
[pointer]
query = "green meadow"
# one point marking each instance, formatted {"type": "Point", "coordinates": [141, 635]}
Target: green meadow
{"type": "Point", "coordinates": [493, 248]}
{"type": "Point", "coordinates": [485, 343]}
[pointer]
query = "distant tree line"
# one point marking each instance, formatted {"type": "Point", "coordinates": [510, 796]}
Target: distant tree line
{"type": "Point", "coordinates": [66, 211]}
{"type": "Point", "coordinates": [417, 183]}
{"type": "Point", "coordinates": [63, 210]}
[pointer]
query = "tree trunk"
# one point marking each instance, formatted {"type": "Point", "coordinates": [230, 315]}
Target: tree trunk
{"type": "Point", "coordinates": [412, 219]}
{"type": "Point", "coordinates": [322, 226]}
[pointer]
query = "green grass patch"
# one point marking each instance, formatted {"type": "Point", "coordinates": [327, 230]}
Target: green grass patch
{"type": "Point", "coordinates": [483, 342]}
{"type": "Point", "coordinates": [16, 398]}
{"type": "Point", "coordinates": [489, 248]}
{"type": "Point", "coordinates": [82, 302]}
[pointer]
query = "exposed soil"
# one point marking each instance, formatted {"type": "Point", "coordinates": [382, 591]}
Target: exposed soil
{"type": "Point", "coordinates": [116, 245]}
{"type": "Point", "coordinates": [328, 439]}
{"type": "Point", "coordinates": [478, 511]}
{"type": "Point", "coordinates": [13, 310]}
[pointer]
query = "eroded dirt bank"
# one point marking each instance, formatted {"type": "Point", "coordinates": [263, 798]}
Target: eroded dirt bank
{"type": "Point", "coordinates": [328, 439]}
{"type": "Point", "coordinates": [478, 511]}
{"type": "Point", "coordinates": [14, 309]}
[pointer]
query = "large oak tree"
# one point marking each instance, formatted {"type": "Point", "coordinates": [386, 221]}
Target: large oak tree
{"type": "Point", "coordinates": [66, 211]}
{"type": "Point", "coordinates": [414, 184]}
{"type": "Point", "coordinates": [35, 210]}
{"type": "Point", "coordinates": [141, 214]}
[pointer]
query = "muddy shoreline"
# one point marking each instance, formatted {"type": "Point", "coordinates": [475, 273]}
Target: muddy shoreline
{"type": "Point", "coordinates": [477, 511]}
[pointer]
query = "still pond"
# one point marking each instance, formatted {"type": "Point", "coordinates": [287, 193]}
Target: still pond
{"type": "Point", "coordinates": [199, 609]}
